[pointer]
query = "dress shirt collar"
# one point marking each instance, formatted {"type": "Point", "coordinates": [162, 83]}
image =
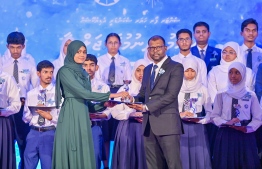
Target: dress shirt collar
{"type": "Point", "coordinates": [245, 48]}
{"type": "Point", "coordinates": [110, 56]}
{"type": "Point", "coordinates": [182, 56]}
{"type": "Point", "coordinates": [48, 88]}
{"type": "Point", "coordinates": [199, 49]}
{"type": "Point", "coordinates": [159, 64]}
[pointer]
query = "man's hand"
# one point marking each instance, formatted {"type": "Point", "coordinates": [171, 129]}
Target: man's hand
{"type": "Point", "coordinates": [186, 114]}
{"type": "Point", "coordinates": [122, 94]}
{"type": "Point", "coordinates": [139, 107]}
{"type": "Point", "coordinates": [45, 114]}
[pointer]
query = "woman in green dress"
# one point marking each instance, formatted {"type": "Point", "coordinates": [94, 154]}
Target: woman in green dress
{"type": "Point", "coordinates": [73, 147]}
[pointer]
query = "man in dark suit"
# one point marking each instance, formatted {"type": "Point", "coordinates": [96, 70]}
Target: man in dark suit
{"type": "Point", "coordinates": [162, 127]}
{"type": "Point", "coordinates": [209, 54]}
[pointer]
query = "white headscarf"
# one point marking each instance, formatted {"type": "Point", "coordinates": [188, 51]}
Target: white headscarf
{"type": "Point", "coordinates": [190, 86]}
{"type": "Point", "coordinates": [147, 58]}
{"type": "Point", "coordinates": [223, 64]}
{"type": "Point", "coordinates": [135, 85]}
{"type": "Point", "coordinates": [239, 90]}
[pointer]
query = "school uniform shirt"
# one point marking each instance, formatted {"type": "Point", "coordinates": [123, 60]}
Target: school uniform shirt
{"type": "Point", "coordinates": [33, 99]}
{"type": "Point", "coordinates": [27, 75]}
{"type": "Point", "coordinates": [217, 81]}
{"type": "Point", "coordinates": [201, 64]}
{"type": "Point", "coordinates": [100, 87]}
{"type": "Point", "coordinates": [256, 56]}
{"type": "Point", "coordinates": [203, 99]}
{"type": "Point", "coordinates": [24, 55]}
{"type": "Point", "coordinates": [122, 68]}
{"type": "Point", "coordinates": [9, 95]}
{"type": "Point", "coordinates": [248, 107]}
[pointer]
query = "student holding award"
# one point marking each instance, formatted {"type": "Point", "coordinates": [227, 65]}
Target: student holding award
{"type": "Point", "coordinates": [238, 114]}
{"type": "Point", "coordinates": [42, 117]}
{"type": "Point", "coordinates": [192, 97]}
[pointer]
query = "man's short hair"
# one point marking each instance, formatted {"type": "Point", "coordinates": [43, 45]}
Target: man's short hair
{"type": "Point", "coordinates": [44, 64]}
{"type": "Point", "coordinates": [156, 37]}
{"type": "Point", "coordinates": [90, 57]}
{"type": "Point", "coordinates": [184, 31]}
{"type": "Point", "coordinates": [201, 23]}
{"type": "Point", "coordinates": [17, 38]}
{"type": "Point", "coordinates": [248, 21]}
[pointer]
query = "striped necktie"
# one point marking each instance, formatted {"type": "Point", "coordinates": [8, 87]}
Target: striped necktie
{"type": "Point", "coordinates": [15, 72]}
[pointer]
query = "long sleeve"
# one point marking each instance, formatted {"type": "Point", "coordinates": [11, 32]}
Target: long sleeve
{"type": "Point", "coordinates": [217, 110]}
{"type": "Point", "coordinates": [258, 85]}
{"type": "Point", "coordinates": [12, 97]}
{"type": "Point", "coordinates": [70, 83]}
{"type": "Point", "coordinates": [211, 86]}
{"type": "Point", "coordinates": [203, 72]}
{"type": "Point", "coordinates": [27, 116]}
{"type": "Point", "coordinates": [256, 112]}
{"type": "Point", "coordinates": [207, 104]}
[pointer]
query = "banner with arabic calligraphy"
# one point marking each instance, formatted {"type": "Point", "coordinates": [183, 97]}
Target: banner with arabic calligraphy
{"type": "Point", "coordinates": [45, 23]}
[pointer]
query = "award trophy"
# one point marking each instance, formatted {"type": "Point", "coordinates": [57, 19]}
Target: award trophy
{"type": "Point", "coordinates": [126, 87]}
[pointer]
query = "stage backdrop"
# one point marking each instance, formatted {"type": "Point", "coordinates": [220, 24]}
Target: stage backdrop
{"type": "Point", "coordinates": [46, 22]}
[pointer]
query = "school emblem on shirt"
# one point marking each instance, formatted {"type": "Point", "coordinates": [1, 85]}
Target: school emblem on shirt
{"type": "Point", "coordinates": [50, 102]}
{"type": "Point", "coordinates": [246, 106]}
{"type": "Point", "coordinates": [246, 97]}
{"type": "Point", "coordinates": [99, 87]}
{"type": "Point", "coordinates": [199, 94]}
{"type": "Point", "coordinates": [214, 55]}
{"type": "Point", "coordinates": [259, 58]}
{"type": "Point", "coordinates": [25, 71]}
{"type": "Point", "coordinates": [161, 71]}
{"type": "Point", "coordinates": [23, 78]}
{"type": "Point", "coordinates": [123, 64]}
{"type": "Point", "coordinates": [2, 80]}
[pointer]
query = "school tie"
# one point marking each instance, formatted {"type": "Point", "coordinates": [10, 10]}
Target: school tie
{"type": "Point", "coordinates": [41, 119]}
{"type": "Point", "coordinates": [202, 55]}
{"type": "Point", "coordinates": [186, 98]}
{"type": "Point", "coordinates": [15, 72]}
{"type": "Point", "coordinates": [112, 71]}
{"type": "Point", "coordinates": [233, 108]}
{"type": "Point", "coordinates": [249, 58]}
{"type": "Point", "coordinates": [152, 78]}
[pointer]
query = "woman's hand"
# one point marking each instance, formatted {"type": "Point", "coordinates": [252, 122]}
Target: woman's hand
{"type": "Point", "coordinates": [136, 114]}
{"type": "Point", "coordinates": [240, 128]}
{"type": "Point", "coordinates": [122, 94]}
{"type": "Point", "coordinates": [139, 119]}
{"type": "Point", "coordinates": [109, 104]}
{"type": "Point", "coordinates": [186, 114]}
{"type": "Point", "coordinates": [233, 121]}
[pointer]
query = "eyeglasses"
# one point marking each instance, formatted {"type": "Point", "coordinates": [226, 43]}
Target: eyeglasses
{"type": "Point", "coordinates": [230, 53]}
{"type": "Point", "coordinates": [113, 43]}
{"type": "Point", "coordinates": [183, 39]}
{"type": "Point", "coordinates": [152, 48]}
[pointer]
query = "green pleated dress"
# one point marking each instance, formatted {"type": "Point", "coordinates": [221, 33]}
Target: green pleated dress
{"type": "Point", "coordinates": [73, 145]}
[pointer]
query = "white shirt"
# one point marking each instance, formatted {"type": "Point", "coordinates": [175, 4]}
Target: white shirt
{"type": "Point", "coordinates": [256, 56]}
{"type": "Point", "coordinates": [33, 100]}
{"type": "Point", "coordinates": [26, 74]}
{"type": "Point", "coordinates": [100, 87]}
{"type": "Point", "coordinates": [249, 108]}
{"type": "Point", "coordinates": [9, 95]}
{"type": "Point", "coordinates": [218, 80]}
{"type": "Point", "coordinates": [24, 55]}
{"type": "Point", "coordinates": [201, 64]}
{"type": "Point", "coordinates": [203, 99]}
{"type": "Point", "coordinates": [121, 111]}
{"type": "Point", "coordinates": [205, 50]}
{"type": "Point", "coordinates": [122, 68]}
{"type": "Point", "coordinates": [159, 65]}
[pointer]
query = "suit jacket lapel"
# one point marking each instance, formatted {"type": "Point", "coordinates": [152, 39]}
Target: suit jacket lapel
{"type": "Point", "coordinates": [163, 67]}
{"type": "Point", "coordinates": [148, 74]}
{"type": "Point", "coordinates": [208, 55]}
{"type": "Point", "coordinates": [195, 51]}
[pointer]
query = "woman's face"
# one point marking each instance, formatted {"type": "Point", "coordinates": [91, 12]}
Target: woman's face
{"type": "Point", "coordinates": [189, 74]}
{"type": "Point", "coordinates": [229, 54]}
{"type": "Point", "coordinates": [234, 76]}
{"type": "Point", "coordinates": [66, 45]}
{"type": "Point", "coordinates": [113, 45]}
{"type": "Point", "coordinates": [80, 55]}
{"type": "Point", "coordinates": [139, 73]}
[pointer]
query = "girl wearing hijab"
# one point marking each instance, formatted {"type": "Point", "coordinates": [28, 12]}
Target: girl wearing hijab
{"type": "Point", "coordinates": [238, 114]}
{"type": "Point", "coordinates": [230, 53]}
{"type": "Point", "coordinates": [59, 62]}
{"type": "Point", "coordinates": [194, 142]}
{"type": "Point", "coordinates": [73, 146]}
{"type": "Point", "coordinates": [128, 148]}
